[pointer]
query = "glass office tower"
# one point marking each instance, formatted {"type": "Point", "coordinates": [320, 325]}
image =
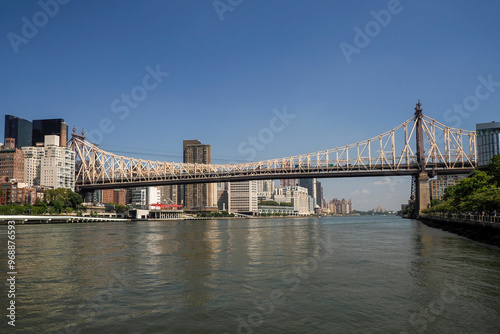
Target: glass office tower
{"type": "Point", "coordinates": [45, 127]}
{"type": "Point", "coordinates": [488, 141]}
{"type": "Point", "coordinates": [18, 128]}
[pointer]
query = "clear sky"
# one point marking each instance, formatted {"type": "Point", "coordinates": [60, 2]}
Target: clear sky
{"type": "Point", "coordinates": [142, 76]}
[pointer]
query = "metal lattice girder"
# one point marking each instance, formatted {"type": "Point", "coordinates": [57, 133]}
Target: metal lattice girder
{"type": "Point", "coordinates": [447, 145]}
{"type": "Point", "coordinates": [391, 153]}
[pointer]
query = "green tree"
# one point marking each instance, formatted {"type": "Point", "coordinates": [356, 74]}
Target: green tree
{"type": "Point", "coordinates": [485, 199]}
{"type": "Point", "coordinates": [494, 169]}
{"type": "Point", "coordinates": [478, 193]}
{"type": "Point", "coordinates": [62, 198]}
{"type": "Point", "coordinates": [74, 199]}
{"type": "Point", "coordinates": [58, 205]}
{"type": "Point", "coordinates": [461, 192]}
{"type": "Point", "coordinates": [444, 206]}
{"type": "Point", "coordinates": [120, 208]}
{"type": "Point", "coordinates": [435, 202]}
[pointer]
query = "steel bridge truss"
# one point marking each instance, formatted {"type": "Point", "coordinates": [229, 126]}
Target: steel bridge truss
{"type": "Point", "coordinates": [448, 150]}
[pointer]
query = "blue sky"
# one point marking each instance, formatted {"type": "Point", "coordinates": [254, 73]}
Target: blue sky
{"type": "Point", "coordinates": [229, 71]}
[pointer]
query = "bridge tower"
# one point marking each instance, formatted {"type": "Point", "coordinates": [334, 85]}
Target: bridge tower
{"type": "Point", "coordinates": [423, 194]}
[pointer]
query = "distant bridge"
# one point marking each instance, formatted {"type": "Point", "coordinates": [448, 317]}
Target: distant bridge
{"type": "Point", "coordinates": [420, 145]}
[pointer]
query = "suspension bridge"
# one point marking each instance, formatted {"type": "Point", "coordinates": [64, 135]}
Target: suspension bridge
{"type": "Point", "coordinates": [420, 146]}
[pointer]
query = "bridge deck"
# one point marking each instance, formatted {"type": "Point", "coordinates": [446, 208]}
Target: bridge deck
{"type": "Point", "coordinates": [271, 175]}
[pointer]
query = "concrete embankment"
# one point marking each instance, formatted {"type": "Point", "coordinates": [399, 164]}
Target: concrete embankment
{"type": "Point", "coordinates": [479, 228]}
{"type": "Point", "coordinates": [55, 219]}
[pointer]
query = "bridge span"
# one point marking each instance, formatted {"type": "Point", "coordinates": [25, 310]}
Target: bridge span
{"type": "Point", "coordinates": [420, 146]}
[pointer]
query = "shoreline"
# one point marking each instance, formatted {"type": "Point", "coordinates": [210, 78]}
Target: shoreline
{"type": "Point", "coordinates": [484, 232]}
{"type": "Point", "coordinates": [68, 219]}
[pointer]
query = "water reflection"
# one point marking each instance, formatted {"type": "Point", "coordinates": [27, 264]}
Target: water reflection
{"type": "Point", "coordinates": [383, 275]}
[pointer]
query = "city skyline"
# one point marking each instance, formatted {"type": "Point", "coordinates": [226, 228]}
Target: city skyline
{"type": "Point", "coordinates": [297, 86]}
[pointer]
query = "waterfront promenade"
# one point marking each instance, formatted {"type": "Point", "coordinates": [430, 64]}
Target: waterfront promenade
{"type": "Point", "coordinates": [29, 219]}
{"type": "Point", "coordinates": [482, 228]}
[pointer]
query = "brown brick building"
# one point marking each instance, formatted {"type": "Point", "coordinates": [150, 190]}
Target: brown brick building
{"type": "Point", "coordinates": [16, 192]}
{"type": "Point", "coordinates": [117, 196]}
{"type": "Point", "coordinates": [198, 197]}
{"type": "Point", "coordinates": [11, 161]}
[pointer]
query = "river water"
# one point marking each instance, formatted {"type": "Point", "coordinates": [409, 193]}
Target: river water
{"type": "Point", "coordinates": [311, 275]}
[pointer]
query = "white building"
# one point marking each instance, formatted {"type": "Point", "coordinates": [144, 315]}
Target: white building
{"type": "Point", "coordinates": [242, 197]}
{"type": "Point", "coordinates": [296, 195]}
{"type": "Point", "coordinates": [50, 166]}
{"type": "Point", "coordinates": [145, 196]}
{"type": "Point", "coordinates": [153, 195]}
{"type": "Point", "coordinates": [32, 162]}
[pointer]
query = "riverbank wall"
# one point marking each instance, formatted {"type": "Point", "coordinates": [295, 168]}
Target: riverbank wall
{"type": "Point", "coordinates": [480, 228]}
{"type": "Point", "coordinates": [32, 219]}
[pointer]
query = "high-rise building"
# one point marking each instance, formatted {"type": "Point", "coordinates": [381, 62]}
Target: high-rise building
{"type": "Point", "coordinates": [57, 168]}
{"type": "Point", "coordinates": [319, 194]}
{"type": "Point", "coordinates": [94, 196]}
{"type": "Point", "coordinates": [32, 162]}
{"type": "Point", "coordinates": [265, 190]}
{"type": "Point", "coordinates": [143, 196]}
{"type": "Point", "coordinates": [108, 196]}
{"type": "Point", "coordinates": [46, 127]}
{"type": "Point", "coordinates": [222, 196]}
{"type": "Point", "coordinates": [120, 196]}
{"type": "Point", "coordinates": [136, 196]}
{"type": "Point", "coordinates": [439, 185]}
{"type": "Point", "coordinates": [20, 129]}
{"type": "Point", "coordinates": [11, 162]}
{"type": "Point", "coordinates": [296, 195]}
{"type": "Point", "coordinates": [115, 196]}
{"type": "Point", "coordinates": [243, 197]}
{"type": "Point", "coordinates": [488, 141]}
{"type": "Point", "coordinates": [153, 195]}
{"type": "Point", "coordinates": [27, 133]}
{"type": "Point", "coordinates": [340, 207]}
{"type": "Point", "coordinates": [288, 183]}
{"type": "Point", "coordinates": [310, 185]}
{"type": "Point", "coordinates": [169, 194]}
{"type": "Point", "coordinates": [198, 196]}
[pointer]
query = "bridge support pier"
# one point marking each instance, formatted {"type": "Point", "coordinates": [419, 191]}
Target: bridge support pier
{"type": "Point", "coordinates": [423, 198]}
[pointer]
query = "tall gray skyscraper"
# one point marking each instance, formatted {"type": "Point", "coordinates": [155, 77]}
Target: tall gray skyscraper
{"type": "Point", "coordinates": [310, 184]}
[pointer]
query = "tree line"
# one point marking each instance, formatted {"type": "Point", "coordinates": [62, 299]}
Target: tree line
{"type": "Point", "coordinates": [55, 201]}
{"type": "Point", "coordinates": [478, 193]}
